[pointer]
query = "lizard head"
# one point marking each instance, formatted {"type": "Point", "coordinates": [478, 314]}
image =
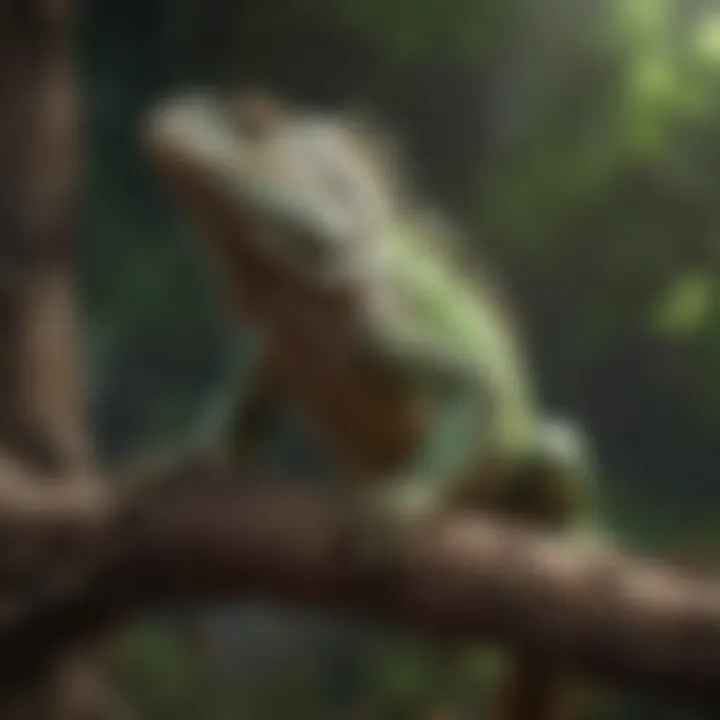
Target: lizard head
{"type": "Point", "coordinates": [298, 188]}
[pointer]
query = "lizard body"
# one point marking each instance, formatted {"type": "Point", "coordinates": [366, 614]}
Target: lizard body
{"type": "Point", "coordinates": [369, 334]}
{"type": "Point", "coordinates": [407, 369]}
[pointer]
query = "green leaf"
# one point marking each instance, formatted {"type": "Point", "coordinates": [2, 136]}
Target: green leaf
{"type": "Point", "coordinates": [685, 307]}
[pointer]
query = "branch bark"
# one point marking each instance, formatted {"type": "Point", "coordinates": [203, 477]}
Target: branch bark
{"type": "Point", "coordinates": [199, 535]}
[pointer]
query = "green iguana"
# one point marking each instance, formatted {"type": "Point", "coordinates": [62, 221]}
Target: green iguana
{"type": "Point", "coordinates": [404, 363]}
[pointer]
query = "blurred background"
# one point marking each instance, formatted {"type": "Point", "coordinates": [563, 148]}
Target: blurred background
{"type": "Point", "coordinates": [578, 144]}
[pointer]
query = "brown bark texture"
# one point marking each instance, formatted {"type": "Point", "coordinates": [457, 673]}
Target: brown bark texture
{"type": "Point", "coordinates": [201, 535]}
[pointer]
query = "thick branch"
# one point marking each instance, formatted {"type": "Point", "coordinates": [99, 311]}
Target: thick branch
{"type": "Point", "coordinates": [604, 616]}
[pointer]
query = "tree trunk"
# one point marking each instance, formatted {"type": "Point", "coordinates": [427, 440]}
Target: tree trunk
{"type": "Point", "coordinates": [43, 427]}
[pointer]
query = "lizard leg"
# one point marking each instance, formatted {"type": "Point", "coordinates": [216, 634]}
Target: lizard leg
{"type": "Point", "coordinates": [454, 443]}
{"type": "Point", "coordinates": [241, 418]}
{"type": "Point", "coordinates": [552, 485]}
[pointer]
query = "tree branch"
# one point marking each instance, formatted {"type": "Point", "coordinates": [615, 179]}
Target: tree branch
{"type": "Point", "coordinates": [198, 535]}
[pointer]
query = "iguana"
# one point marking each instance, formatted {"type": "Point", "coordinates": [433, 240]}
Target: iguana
{"type": "Point", "coordinates": [404, 362]}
